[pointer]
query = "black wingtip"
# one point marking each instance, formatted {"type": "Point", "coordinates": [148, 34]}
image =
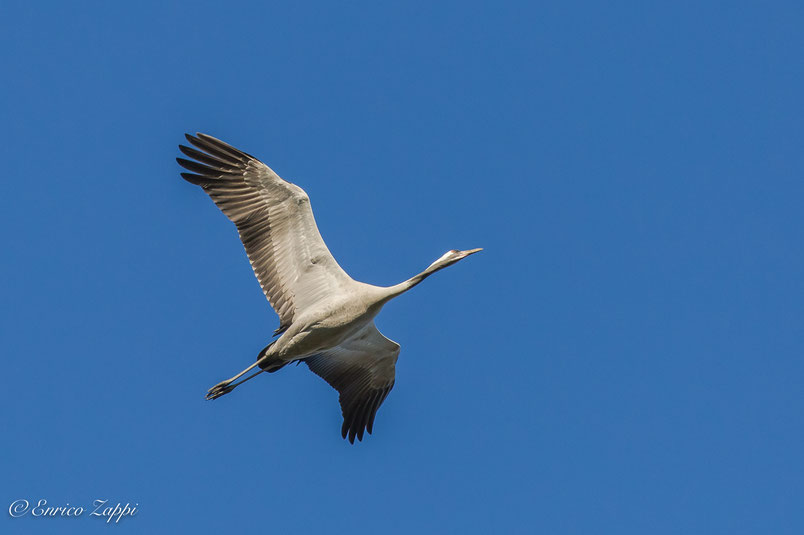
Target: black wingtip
{"type": "Point", "coordinates": [218, 149]}
{"type": "Point", "coordinates": [189, 151]}
{"type": "Point", "coordinates": [198, 180]}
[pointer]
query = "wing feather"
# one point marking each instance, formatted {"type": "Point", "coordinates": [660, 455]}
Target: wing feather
{"type": "Point", "coordinates": [362, 369]}
{"type": "Point", "coordinates": [275, 221]}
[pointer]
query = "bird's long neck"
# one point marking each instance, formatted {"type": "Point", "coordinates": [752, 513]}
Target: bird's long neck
{"type": "Point", "coordinates": [402, 287]}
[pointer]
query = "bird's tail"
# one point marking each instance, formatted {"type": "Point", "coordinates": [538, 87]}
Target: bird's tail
{"type": "Point", "coordinates": [269, 364]}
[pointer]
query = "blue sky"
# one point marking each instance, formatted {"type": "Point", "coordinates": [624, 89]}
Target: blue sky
{"type": "Point", "coordinates": [625, 356]}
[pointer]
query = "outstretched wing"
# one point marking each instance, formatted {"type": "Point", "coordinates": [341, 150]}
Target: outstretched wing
{"type": "Point", "coordinates": [362, 370]}
{"type": "Point", "coordinates": [275, 222]}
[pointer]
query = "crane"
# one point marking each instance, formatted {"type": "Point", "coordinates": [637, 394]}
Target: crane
{"type": "Point", "coordinates": [326, 318]}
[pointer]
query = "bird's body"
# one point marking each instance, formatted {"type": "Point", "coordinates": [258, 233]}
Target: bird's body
{"type": "Point", "coordinates": [326, 317]}
{"type": "Point", "coordinates": [334, 320]}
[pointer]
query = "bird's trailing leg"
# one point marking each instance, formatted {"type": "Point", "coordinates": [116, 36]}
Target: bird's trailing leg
{"type": "Point", "coordinates": [227, 386]}
{"type": "Point", "coordinates": [224, 387]}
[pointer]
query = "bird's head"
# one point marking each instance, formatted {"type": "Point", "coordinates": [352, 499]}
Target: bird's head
{"type": "Point", "coordinates": [449, 258]}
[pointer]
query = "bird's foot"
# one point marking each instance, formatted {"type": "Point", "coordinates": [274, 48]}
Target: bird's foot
{"type": "Point", "coordinates": [220, 389]}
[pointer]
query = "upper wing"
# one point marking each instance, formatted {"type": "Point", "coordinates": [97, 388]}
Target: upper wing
{"type": "Point", "coordinates": [362, 369]}
{"type": "Point", "coordinates": [275, 222]}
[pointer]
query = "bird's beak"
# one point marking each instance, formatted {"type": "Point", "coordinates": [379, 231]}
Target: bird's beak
{"type": "Point", "coordinates": [471, 251]}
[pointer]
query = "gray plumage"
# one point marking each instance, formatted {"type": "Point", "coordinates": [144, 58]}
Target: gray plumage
{"type": "Point", "coordinates": [326, 319]}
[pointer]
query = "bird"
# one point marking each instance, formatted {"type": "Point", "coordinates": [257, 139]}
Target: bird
{"type": "Point", "coordinates": [326, 318]}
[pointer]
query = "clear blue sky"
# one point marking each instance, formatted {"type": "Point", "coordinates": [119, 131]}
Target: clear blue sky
{"type": "Point", "coordinates": [626, 355]}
